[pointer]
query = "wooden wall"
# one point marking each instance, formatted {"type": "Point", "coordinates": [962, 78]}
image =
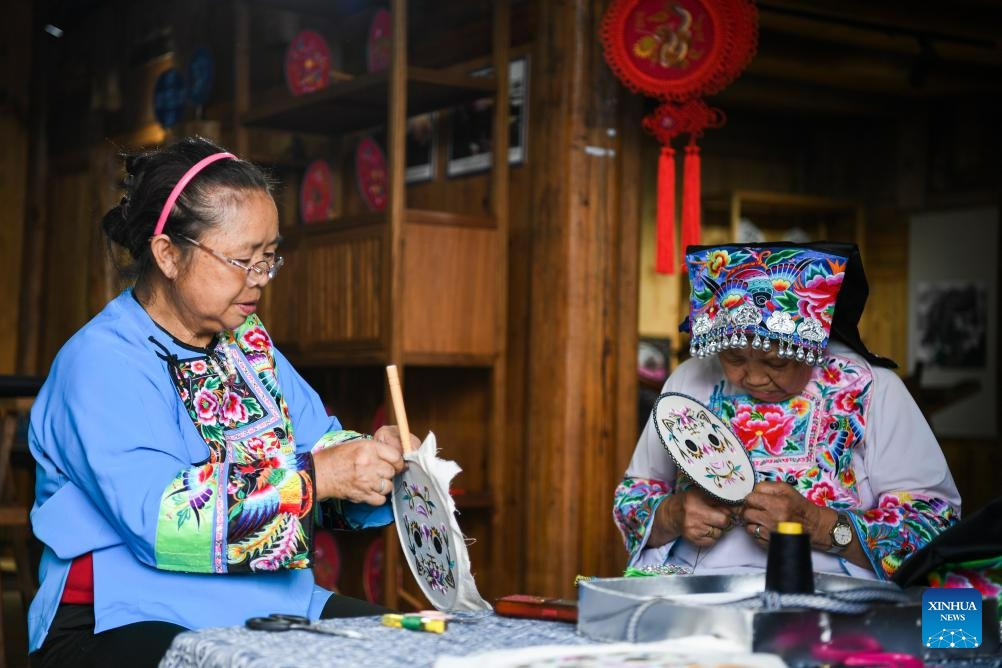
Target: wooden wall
{"type": "Point", "coordinates": [15, 107]}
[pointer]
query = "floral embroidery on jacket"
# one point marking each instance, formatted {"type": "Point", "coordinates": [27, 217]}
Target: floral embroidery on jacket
{"type": "Point", "coordinates": [249, 506]}
{"type": "Point", "coordinates": [636, 501]}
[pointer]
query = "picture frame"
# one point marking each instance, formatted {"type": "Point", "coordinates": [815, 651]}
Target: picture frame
{"type": "Point", "coordinates": [470, 126]}
{"type": "Point", "coordinates": [420, 146]}
{"type": "Point", "coordinates": [953, 309]}
{"type": "Point", "coordinates": [421, 140]}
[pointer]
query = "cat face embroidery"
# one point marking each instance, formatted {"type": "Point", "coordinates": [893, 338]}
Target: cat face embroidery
{"type": "Point", "coordinates": [703, 447]}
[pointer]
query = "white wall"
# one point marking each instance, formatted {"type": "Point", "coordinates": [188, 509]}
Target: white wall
{"type": "Point", "coordinates": [947, 250]}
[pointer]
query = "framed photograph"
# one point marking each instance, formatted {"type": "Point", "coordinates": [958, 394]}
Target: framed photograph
{"type": "Point", "coordinates": [953, 296]}
{"type": "Point", "coordinates": [420, 161]}
{"type": "Point", "coordinates": [420, 148]}
{"type": "Point", "coordinates": [470, 126]}
{"type": "Point", "coordinates": [952, 319]}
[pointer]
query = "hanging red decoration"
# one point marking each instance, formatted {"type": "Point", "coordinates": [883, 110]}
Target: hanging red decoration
{"type": "Point", "coordinates": [678, 51]}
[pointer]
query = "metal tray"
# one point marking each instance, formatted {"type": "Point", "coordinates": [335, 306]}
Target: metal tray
{"type": "Point", "coordinates": [647, 609]}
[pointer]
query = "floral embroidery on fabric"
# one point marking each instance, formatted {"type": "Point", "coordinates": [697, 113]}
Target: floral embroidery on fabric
{"type": "Point", "coordinates": [259, 490]}
{"type": "Point", "coordinates": [743, 294]}
{"type": "Point", "coordinates": [635, 501]}
{"type": "Point", "coordinates": [808, 442]}
{"type": "Point", "coordinates": [985, 575]}
{"type": "Point", "coordinates": [899, 526]}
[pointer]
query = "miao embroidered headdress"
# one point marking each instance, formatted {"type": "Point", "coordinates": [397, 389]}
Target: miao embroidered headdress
{"type": "Point", "coordinates": [763, 296]}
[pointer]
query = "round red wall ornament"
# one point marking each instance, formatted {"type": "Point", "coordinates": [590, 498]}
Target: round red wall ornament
{"type": "Point", "coordinates": [316, 198]}
{"type": "Point", "coordinates": [307, 63]}
{"type": "Point", "coordinates": [678, 51]}
{"type": "Point", "coordinates": [371, 174]}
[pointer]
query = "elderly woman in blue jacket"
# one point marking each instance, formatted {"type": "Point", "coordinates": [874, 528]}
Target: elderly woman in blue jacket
{"type": "Point", "coordinates": [183, 464]}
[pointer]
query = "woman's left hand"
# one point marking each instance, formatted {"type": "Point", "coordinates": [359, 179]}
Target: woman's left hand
{"type": "Point", "coordinates": [773, 502]}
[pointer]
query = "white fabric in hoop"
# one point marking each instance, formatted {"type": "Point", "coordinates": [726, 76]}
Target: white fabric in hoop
{"type": "Point", "coordinates": [430, 537]}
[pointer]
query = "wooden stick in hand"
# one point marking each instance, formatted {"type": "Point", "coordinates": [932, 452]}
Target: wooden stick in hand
{"type": "Point", "coordinates": [398, 406]}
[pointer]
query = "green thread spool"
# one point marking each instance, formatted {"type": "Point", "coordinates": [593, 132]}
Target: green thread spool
{"type": "Point", "coordinates": [788, 567]}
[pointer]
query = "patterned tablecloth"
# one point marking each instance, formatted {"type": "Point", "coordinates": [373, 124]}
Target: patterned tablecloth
{"type": "Point", "coordinates": [380, 646]}
{"type": "Point", "coordinates": [384, 647]}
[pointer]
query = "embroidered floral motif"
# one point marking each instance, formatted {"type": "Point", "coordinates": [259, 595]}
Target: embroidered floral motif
{"type": "Point", "coordinates": [634, 504]}
{"type": "Point", "coordinates": [985, 575]}
{"type": "Point", "coordinates": [259, 491]}
{"type": "Point", "coordinates": [256, 338]}
{"type": "Point", "coordinates": [764, 427]}
{"type": "Point", "coordinates": [792, 291]}
{"type": "Point", "coordinates": [808, 442]}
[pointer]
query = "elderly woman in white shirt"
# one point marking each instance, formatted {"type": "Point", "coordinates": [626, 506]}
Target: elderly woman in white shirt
{"type": "Point", "coordinates": [835, 439]}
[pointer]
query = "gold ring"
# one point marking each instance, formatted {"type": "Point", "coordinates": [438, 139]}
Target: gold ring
{"type": "Point", "coordinates": [709, 533]}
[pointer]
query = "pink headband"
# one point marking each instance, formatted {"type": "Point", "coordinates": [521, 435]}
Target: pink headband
{"type": "Point", "coordinates": [176, 192]}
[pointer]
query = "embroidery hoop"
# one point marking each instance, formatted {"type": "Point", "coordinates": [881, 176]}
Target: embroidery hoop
{"type": "Point", "coordinates": [307, 63]}
{"type": "Point", "coordinates": [371, 174]}
{"type": "Point", "coordinates": [443, 573]}
{"type": "Point", "coordinates": [379, 42]}
{"type": "Point", "coordinates": [316, 193]}
{"type": "Point", "coordinates": [723, 469]}
{"type": "Point", "coordinates": [326, 560]}
{"type": "Point", "coordinates": [419, 509]}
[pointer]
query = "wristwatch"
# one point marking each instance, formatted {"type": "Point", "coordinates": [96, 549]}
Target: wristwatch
{"type": "Point", "coordinates": [841, 534]}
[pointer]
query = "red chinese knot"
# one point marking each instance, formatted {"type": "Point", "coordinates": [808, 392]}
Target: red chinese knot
{"type": "Point", "coordinates": [678, 51]}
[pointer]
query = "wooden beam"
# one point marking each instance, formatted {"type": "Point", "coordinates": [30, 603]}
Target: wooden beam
{"type": "Point", "coordinates": [794, 58]}
{"type": "Point", "coordinates": [766, 93]}
{"type": "Point", "coordinates": [504, 547]}
{"type": "Point", "coordinates": [30, 311]}
{"type": "Point", "coordinates": [863, 36]}
{"type": "Point", "coordinates": [574, 382]}
{"type": "Point", "coordinates": [962, 22]}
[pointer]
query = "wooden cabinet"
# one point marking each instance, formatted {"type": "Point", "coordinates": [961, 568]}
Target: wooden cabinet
{"type": "Point", "coordinates": [422, 288]}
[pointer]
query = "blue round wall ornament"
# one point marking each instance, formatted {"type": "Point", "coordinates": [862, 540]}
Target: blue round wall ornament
{"type": "Point", "coordinates": [201, 73]}
{"type": "Point", "coordinates": [169, 97]}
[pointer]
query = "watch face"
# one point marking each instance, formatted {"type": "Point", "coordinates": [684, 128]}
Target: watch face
{"type": "Point", "coordinates": [842, 534]}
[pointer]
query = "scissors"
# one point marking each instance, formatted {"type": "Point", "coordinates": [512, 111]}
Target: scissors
{"type": "Point", "coordinates": [282, 622]}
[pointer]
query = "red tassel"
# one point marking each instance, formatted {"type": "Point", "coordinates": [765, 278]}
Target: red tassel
{"type": "Point", "coordinates": [690, 198]}
{"type": "Point", "coordinates": [664, 262]}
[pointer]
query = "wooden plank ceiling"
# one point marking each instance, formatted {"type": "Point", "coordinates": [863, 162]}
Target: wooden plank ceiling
{"type": "Point", "coordinates": [871, 57]}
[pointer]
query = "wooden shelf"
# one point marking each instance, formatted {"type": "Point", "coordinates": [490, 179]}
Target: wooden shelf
{"type": "Point", "coordinates": [419, 288]}
{"type": "Point", "coordinates": [758, 201]}
{"type": "Point", "coordinates": [775, 214]}
{"type": "Point", "coordinates": [348, 106]}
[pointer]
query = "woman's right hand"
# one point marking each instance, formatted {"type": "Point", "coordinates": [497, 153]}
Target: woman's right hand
{"type": "Point", "coordinates": [694, 515]}
{"type": "Point", "coordinates": [361, 470]}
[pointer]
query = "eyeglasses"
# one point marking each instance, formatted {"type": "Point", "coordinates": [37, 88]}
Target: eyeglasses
{"type": "Point", "coordinates": [267, 268]}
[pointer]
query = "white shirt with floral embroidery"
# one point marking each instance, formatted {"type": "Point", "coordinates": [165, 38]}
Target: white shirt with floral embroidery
{"type": "Point", "coordinates": [854, 440]}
